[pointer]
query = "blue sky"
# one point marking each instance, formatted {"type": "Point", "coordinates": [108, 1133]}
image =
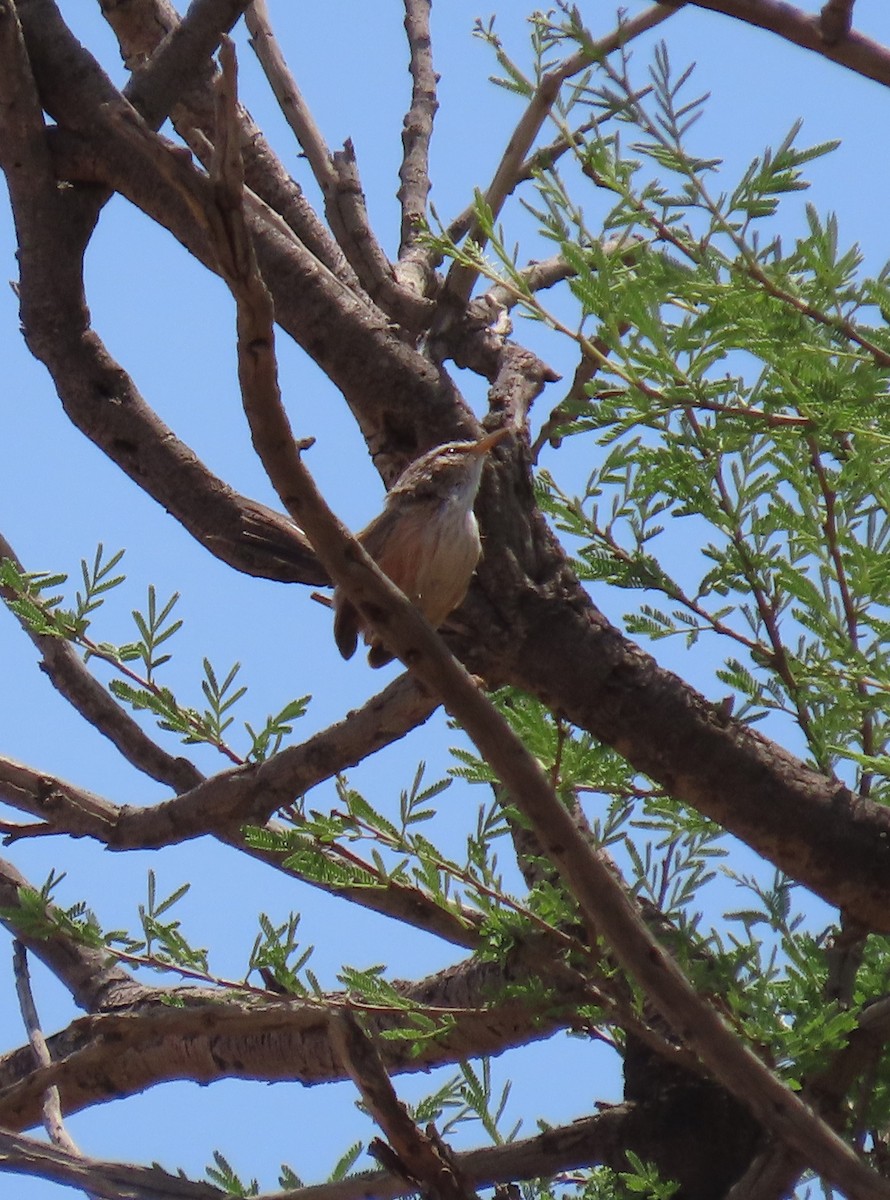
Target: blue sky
{"type": "Point", "coordinates": [171, 326]}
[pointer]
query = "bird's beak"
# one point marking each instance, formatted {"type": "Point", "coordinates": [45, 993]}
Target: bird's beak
{"type": "Point", "coordinates": [485, 444]}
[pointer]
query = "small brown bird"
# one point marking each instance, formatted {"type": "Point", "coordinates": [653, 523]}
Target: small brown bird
{"type": "Point", "coordinates": [426, 539]}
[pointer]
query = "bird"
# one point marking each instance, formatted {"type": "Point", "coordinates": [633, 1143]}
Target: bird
{"type": "Point", "coordinates": [426, 539]}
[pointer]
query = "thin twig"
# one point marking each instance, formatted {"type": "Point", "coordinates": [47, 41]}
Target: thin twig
{"type": "Point", "coordinates": [834, 540]}
{"type": "Point", "coordinates": [540, 160]}
{"type": "Point", "coordinates": [290, 99]}
{"type": "Point", "coordinates": [781, 661]}
{"type": "Point", "coordinates": [52, 1105]}
{"type": "Point", "coordinates": [461, 278]}
{"type": "Point", "coordinates": [414, 172]}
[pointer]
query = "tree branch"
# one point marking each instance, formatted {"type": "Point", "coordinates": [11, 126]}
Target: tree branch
{"type": "Point", "coordinates": [110, 1180]}
{"type": "Point", "coordinates": [84, 971]}
{"type": "Point", "coordinates": [420, 1159]}
{"type": "Point", "coordinates": [222, 805]}
{"type": "Point", "coordinates": [183, 57]}
{"type": "Point", "coordinates": [52, 1107]}
{"type": "Point", "coordinates": [414, 173]}
{"type": "Point", "coordinates": [854, 51]}
{"type": "Point", "coordinates": [541, 159]}
{"type": "Point", "coordinates": [70, 677]}
{"type": "Point", "coordinates": [337, 177]}
{"type": "Point", "coordinates": [246, 794]}
{"type": "Point", "coordinates": [603, 903]}
{"type": "Point", "coordinates": [204, 1034]}
{"type": "Point", "coordinates": [461, 279]}
{"type": "Point", "coordinates": [592, 1140]}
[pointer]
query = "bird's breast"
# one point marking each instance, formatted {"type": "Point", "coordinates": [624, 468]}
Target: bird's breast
{"type": "Point", "coordinates": [450, 550]}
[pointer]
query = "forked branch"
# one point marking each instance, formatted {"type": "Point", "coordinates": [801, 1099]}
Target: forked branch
{"type": "Point", "coordinates": [462, 278]}
{"type": "Point", "coordinates": [337, 177]}
{"type": "Point", "coordinates": [419, 1158]}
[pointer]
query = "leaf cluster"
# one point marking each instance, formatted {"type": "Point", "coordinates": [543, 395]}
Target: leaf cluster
{"type": "Point", "coordinates": [32, 597]}
{"type": "Point", "coordinates": [738, 418]}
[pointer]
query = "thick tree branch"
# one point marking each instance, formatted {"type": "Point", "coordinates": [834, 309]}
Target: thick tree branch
{"type": "Point", "coordinates": [600, 1139]}
{"type": "Point", "coordinates": [290, 99]}
{"type": "Point", "coordinates": [157, 1034]}
{"type": "Point", "coordinates": [854, 51]}
{"type": "Point", "coordinates": [223, 805]}
{"type": "Point", "coordinates": [347, 212]}
{"type": "Point", "coordinates": [183, 57]}
{"type": "Point", "coordinates": [530, 624]}
{"type": "Point", "coordinates": [420, 1159]}
{"type": "Point", "coordinates": [106, 1053]}
{"type": "Point", "coordinates": [111, 1180]}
